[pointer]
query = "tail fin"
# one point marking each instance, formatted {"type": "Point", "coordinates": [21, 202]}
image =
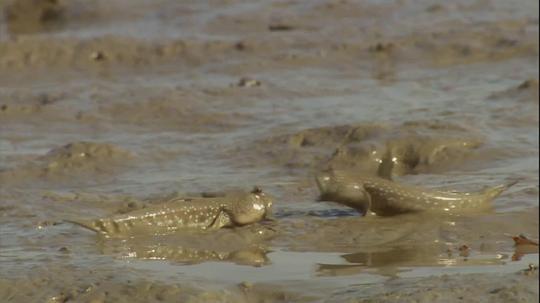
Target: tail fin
{"type": "Point", "coordinates": [494, 192]}
{"type": "Point", "coordinates": [88, 224]}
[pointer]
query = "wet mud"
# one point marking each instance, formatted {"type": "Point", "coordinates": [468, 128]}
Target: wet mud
{"type": "Point", "coordinates": [115, 108]}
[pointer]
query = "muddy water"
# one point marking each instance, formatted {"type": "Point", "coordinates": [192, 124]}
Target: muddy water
{"type": "Point", "coordinates": [116, 106]}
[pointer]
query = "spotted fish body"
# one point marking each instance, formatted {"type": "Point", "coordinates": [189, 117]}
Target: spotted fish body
{"type": "Point", "coordinates": [385, 197]}
{"type": "Point", "coordinates": [178, 213]}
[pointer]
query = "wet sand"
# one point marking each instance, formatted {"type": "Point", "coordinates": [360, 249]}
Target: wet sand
{"type": "Point", "coordinates": [115, 106]}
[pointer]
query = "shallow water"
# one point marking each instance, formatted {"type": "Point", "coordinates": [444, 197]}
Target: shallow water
{"type": "Point", "coordinates": [164, 111]}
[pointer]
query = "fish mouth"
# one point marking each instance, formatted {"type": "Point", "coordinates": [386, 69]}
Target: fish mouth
{"type": "Point", "coordinates": [268, 214]}
{"type": "Point", "coordinates": [269, 218]}
{"type": "Point", "coordinates": [321, 181]}
{"type": "Point", "coordinates": [322, 198]}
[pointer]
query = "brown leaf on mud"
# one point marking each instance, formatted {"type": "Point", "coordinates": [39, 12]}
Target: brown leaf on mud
{"type": "Point", "coordinates": [464, 250]}
{"type": "Point", "coordinates": [522, 240]}
{"type": "Point", "coordinates": [523, 246]}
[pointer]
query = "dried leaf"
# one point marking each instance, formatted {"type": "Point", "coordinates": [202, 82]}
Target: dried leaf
{"type": "Point", "coordinates": [523, 246]}
{"type": "Point", "coordinates": [522, 240]}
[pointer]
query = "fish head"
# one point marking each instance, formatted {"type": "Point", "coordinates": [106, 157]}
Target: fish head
{"type": "Point", "coordinates": [333, 183]}
{"type": "Point", "coordinates": [251, 208]}
{"type": "Point", "coordinates": [326, 182]}
{"type": "Point", "coordinates": [337, 187]}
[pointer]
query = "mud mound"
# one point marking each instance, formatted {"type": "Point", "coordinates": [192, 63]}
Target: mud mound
{"type": "Point", "coordinates": [410, 153]}
{"type": "Point", "coordinates": [309, 147]}
{"type": "Point", "coordinates": [82, 154]}
{"type": "Point", "coordinates": [71, 160]}
{"type": "Point", "coordinates": [414, 147]}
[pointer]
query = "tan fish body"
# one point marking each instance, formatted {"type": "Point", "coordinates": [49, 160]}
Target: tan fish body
{"type": "Point", "coordinates": [385, 197]}
{"type": "Point", "coordinates": [178, 213]}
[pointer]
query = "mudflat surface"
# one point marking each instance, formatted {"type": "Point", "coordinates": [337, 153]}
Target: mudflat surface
{"type": "Point", "coordinates": [114, 106]}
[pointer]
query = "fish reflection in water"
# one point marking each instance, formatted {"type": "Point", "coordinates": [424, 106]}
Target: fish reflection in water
{"type": "Point", "coordinates": [243, 246]}
{"type": "Point", "coordinates": [184, 254]}
{"type": "Point", "coordinates": [399, 259]}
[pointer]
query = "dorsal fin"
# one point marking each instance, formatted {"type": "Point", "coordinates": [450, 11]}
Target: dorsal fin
{"type": "Point", "coordinates": [386, 166]}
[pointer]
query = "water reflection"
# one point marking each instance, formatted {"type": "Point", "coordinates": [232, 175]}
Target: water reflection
{"type": "Point", "coordinates": [399, 259]}
{"type": "Point", "coordinates": [252, 256]}
{"type": "Point", "coordinates": [242, 246]}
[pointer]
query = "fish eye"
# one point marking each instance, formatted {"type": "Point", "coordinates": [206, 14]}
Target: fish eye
{"type": "Point", "coordinates": [256, 190]}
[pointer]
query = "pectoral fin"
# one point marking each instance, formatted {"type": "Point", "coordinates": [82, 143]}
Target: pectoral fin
{"type": "Point", "coordinates": [366, 207]}
{"type": "Point", "coordinates": [221, 220]}
{"type": "Point", "coordinates": [386, 166]}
